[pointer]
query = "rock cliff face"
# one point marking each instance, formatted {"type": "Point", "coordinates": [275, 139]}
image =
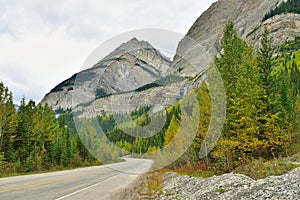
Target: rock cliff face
{"type": "Point", "coordinates": [247, 16]}
{"type": "Point", "coordinates": [135, 64]}
{"type": "Point", "coordinates": [284, 27]}
{"type": "Point", "coordinates": [130, 66]}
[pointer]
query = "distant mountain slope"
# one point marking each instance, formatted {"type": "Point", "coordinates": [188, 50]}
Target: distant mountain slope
{"type": "Point", "coordinates": [139, 74]}
{"type": "Point", "coordinates": [132, 65]}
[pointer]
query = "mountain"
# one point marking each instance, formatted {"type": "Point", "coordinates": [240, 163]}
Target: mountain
{"type": "Point", "coordinates": [248, 17]}
{"type": "Point", "coordinates": [132, 65]}
{"type": "Point", "coordinates": [141, 75]}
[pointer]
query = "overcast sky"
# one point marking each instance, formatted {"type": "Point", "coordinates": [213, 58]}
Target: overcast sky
{"type": "Point", "coordinates": [43, 42]}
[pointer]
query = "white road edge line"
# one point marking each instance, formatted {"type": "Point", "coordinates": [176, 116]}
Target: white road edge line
{"type": "Point", "coordinates": [78, 191]}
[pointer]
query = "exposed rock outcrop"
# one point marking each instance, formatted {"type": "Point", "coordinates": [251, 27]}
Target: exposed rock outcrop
{"type": "Point", "coordinates": [284, 27]}
{"type": "Point", "coordinates": [130, 66]}
{"type": "Point", "coordinates": [247, 16]}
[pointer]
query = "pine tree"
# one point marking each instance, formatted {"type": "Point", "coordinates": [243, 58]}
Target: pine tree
{"type": "Point", "coordinates": [45, 128]}
{"type": "Point", "coordinates": [251, 128]}
{"type": "Point", "coordinates": [265, 68]}
{"type": "Point", "coordinates": [8, 124]}
{"type": "Point", "coordinates": [234, 66]}
{"type": "Point", "coordinates": [295, 78]}
{"type": "Point", "coordinates": [24, 131]}
{"type": "Point", "coordinates": [275, 101]}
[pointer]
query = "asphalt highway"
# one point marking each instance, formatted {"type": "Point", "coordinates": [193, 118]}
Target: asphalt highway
{"type": "Point", "coordinates": [90, 183]}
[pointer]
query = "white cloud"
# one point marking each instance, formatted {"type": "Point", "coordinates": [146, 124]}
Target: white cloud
{"type": "Point", "coordinates": [44, 42]}
{"type": "Point", "coordinates": [39, 61]}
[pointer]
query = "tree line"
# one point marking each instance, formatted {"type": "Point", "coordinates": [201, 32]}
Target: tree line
{"type": "Point", "coordinates": [33, 139]}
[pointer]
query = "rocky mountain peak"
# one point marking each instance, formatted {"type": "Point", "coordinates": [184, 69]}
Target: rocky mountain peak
{"type": "Point", "coordinates": [128, 47]}
{"type": "Point", "coordinates": [130, 66]}
{"type": "Point", "coordinates": [135, 43]}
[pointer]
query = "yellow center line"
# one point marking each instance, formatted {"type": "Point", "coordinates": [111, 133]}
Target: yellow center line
{"type": "Point", "coordinates": [50, 181]}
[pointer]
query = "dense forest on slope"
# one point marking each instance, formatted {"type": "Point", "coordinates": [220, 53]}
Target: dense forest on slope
{"type": "Point", "coordinates": [290, 6]}
{"type": "Point", "coordinates": [32, 139]}
{"type": "Point", "coordinates": [262, 92]}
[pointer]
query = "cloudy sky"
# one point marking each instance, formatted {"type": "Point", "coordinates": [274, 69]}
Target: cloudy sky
{"type": "Point", "coordinates": [43, 42]}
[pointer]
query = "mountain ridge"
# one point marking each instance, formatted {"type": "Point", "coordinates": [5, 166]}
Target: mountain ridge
{"type": "Point", "coordinates": [248, 18]}
{"type": "Point", "coordinates": [132, 65]}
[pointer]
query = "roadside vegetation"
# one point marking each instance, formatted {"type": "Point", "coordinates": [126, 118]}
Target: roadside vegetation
{"type": "Point", "coordinates": [261, 136]}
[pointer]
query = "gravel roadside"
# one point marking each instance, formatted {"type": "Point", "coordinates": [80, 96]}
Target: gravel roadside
{"type": "Point", "coordinates": [231, 186]}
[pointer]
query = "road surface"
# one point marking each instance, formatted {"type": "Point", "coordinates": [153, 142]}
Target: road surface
{"type": "Point", "coordinates": [90, 183]}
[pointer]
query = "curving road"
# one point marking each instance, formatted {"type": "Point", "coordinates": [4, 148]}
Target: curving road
{"type": "Point", "coordinates": [90, 183]}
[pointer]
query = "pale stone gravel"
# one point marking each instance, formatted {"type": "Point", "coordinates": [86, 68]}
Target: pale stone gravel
{"type": "Point", "coordinates": [231, 186]}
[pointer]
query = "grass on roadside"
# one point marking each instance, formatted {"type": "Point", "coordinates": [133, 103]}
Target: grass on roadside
{"type": "Point", "coordinates": [195, 170]}
{"type": "Point", "coordinates": [154, 182]}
